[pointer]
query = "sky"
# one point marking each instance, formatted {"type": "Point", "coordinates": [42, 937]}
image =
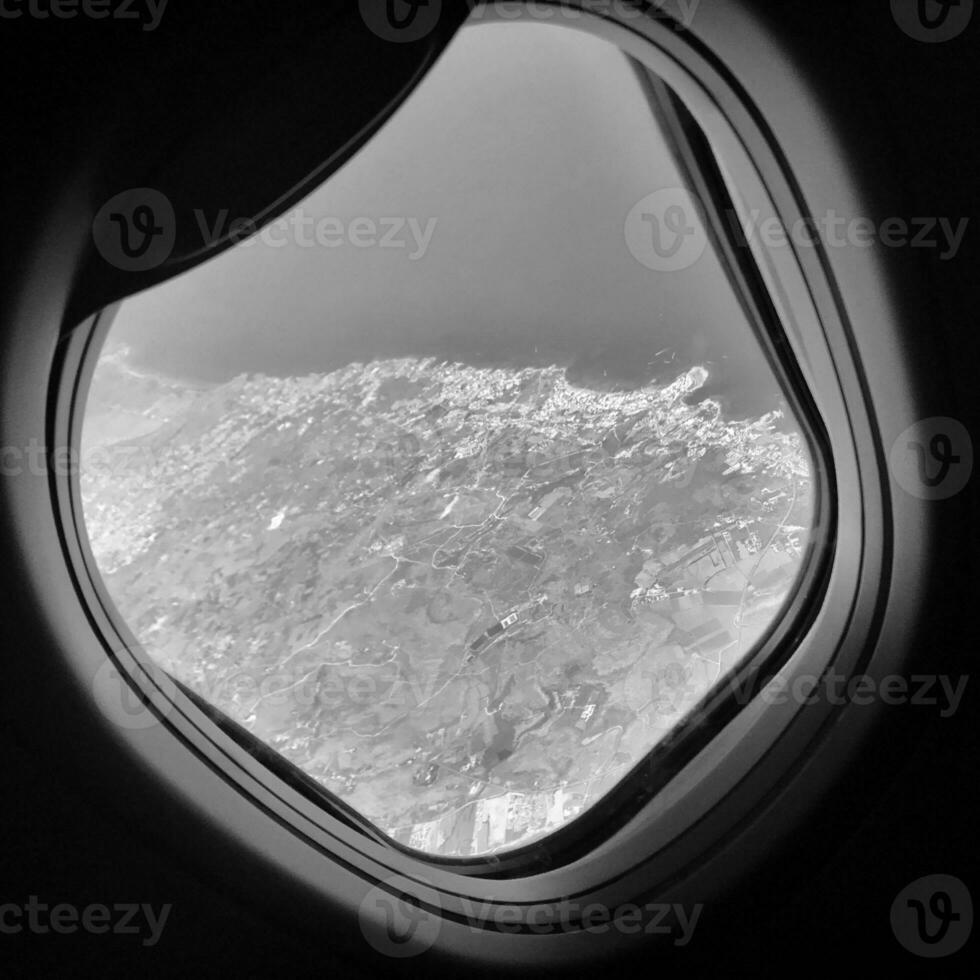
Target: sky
{"type": "Point", "coordinates": [518, 159]}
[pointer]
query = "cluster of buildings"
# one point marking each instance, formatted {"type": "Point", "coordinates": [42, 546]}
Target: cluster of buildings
{"type": "Point", "coordinates": [487, 824]}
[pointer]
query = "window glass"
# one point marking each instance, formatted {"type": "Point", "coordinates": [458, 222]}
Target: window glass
{"type": "Point", "coordinates": [461, 484]}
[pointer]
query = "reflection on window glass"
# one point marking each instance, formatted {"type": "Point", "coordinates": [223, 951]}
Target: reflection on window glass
{"type": "Point", "coordinates": [442, 485]}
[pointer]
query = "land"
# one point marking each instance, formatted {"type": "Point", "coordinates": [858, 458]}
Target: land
{"type": "Point", "coordinates": [468, 600]}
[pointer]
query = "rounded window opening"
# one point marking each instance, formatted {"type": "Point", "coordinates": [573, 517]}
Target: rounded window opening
{"type": "Point", "coordinates": [462, 484]}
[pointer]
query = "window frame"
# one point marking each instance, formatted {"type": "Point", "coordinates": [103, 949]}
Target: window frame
{"type": "Point", "coordinates": [737, 770]}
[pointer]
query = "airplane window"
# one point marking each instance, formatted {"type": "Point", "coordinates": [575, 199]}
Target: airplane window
{"type": "Point", "coordinates": [463, 483]}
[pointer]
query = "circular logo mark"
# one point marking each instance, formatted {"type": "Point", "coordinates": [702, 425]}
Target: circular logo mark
{"type": "Point", "coordinates": [664, 230]}
{"type": "Point", "coordinates": [401, 21]}
{"type": "Point", "coordinates": [932, 21]}
{"type": "Point", "coordinates": [933, 916]}
{"type": "Point", "coordinates": [395, 923]}
{"type": "Point", "coordinates": [135, 230]}
{"type": "Point", "coordinates": [933, 459]}
{"type": "Point", "coordinates": [123, 705]}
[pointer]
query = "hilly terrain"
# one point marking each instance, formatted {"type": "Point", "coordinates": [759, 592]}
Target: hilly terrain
{"type": "Point", "coordinates": [467, 599]}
